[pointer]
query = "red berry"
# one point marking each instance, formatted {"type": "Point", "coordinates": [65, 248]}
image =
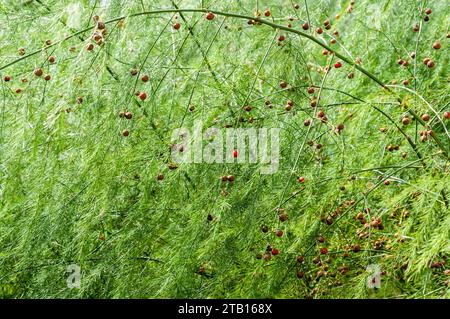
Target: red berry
{"type": "Point", "coordinates": [307, 122]}
{"type": "Point", "coordinates": [210, 16]}
{"type": "Point", "coordinates": [145, 78]}
{"type": "Point", "coordinates": [38, 72]}
{"type": "Point", "coordinates": [425, 117]}
{"type": "Point", "coordinates": [47, 77]}
{"type": "Point", "coordinates": [447, 115]}
{"type": "Point", "coordinates": [7, 78]}
{"type": "Point", "coordinates": [305, 26]}
{"type": "Point", "coordinates": [128, 115]}
{"type": "Point", "coordinates": [281, 38]}
{"type": "Point", "coordinates": [301, 179]}
{"type": "Point", "coordinates": [235, 153]}
{"type": "Point", "coordinates": [90, 47]}
{"type": "Point", "coordinates": [436, 45]}
{"type": "Point", "coordinates": [279, 233]}
{"type": "Point", "coordinates": [142, 96]}
{"type": "Point", "coordinates": [160, 177]}
{"type": "Point", "coordinates": [387, 182]}
{"type": "Point", "coordinates": [319, 30]}
{"type": "Point", "coordinates": [323, 251]}
{"type": "Point", "coordinates": [125, 133]}
{"type": "Point", "coordinates": [177, 26]}
{"type": "Point", "coordinates": [267, 13]}
{"type": "Point", "coordinates": [230, 178]}
{"type": "Point", "coordinates": [337, 65]}
{"type": "Point", "coordinates": [275, 251]}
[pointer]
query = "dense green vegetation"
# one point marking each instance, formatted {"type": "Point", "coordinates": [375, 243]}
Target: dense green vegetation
{"type": "Point", "coordinates": [75, 190]}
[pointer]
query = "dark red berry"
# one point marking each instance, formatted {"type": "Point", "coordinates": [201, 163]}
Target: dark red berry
{"type": "Point", "coordinates": [145, 78]}
{"type": "Point", "coordinates": [279, 233]}
{"type": "Point", "coordinates": [210, 16]}
{"type": "Point", "coordinates": [305, 26]}
{"type": "Point", "coordinates": [38, 72]}
{"type": "Point", "coordinates": [275, 251]}
{"type": "Point", "coordinates": [323, 251]}
{"type": "Point", "coordinates": [125, 133]}
{"type": "Point", "coordinates": [425, 117]}
{"type": "Point", "coordinates": [177, 26]}
{"type": "Point", "coordinates": [337, 65]}
{"type": "Point", "coordinates": [267, 13]}
{"type": "Point", "coordinates": [283, 84]}
{"type": "Point", "coordinates": [142, 96]}
{"type": "Point", "coordinates": [447, 115]}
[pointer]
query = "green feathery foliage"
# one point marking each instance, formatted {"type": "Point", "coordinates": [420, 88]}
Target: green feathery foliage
{"type": "Point", "coordinates": [74, 190]}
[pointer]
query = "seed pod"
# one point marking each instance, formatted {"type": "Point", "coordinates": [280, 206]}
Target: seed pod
{"type": "Point", "coordinates": [283, 84]}
{"type": "Point", "coordinates": [160, 177]}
